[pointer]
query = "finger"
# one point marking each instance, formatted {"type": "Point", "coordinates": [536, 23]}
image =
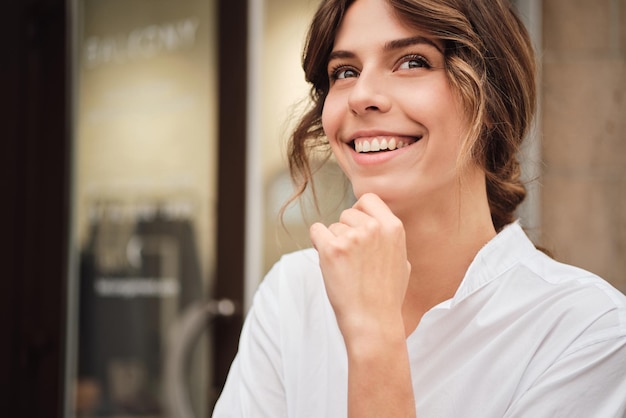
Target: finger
{"type": "Point", "coordinates": [353, 217]}
{"type": "Point", "coordinates": [374, 206]}
{"type": "Point", "coordinates": [319, 234]}
{"type": "Point", "coordinates": [338, 228]}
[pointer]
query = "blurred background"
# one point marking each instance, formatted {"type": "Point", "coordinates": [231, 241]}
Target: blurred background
{"type": "Point", "coordinates": [145, 167]}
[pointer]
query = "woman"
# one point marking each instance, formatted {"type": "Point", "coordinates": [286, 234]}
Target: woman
{"type": "Point", "coordinates": [425, 298]}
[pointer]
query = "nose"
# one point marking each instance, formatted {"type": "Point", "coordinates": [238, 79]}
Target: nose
{"type": "Point", "coordinates": [369, 94]}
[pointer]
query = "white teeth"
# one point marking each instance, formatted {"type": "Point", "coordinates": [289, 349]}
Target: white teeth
{"type": "Point", "coordinates": [380, 144]}
{"type": "Point", "coordinates": [376, 144]}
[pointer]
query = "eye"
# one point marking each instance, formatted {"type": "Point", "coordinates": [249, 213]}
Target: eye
{"type": "Point", "coordinates": [413, 61]}
{"type": "Point", "coordinates": [343, 71]}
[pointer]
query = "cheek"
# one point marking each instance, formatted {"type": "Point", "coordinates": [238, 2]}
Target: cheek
{"type": "Point", "coordinates": [331, 124]}
{"type": "Point", "coordinates": [326, 118]}
{"type": "Point", "coordinates": [330, 116]}
{"type": "Point", "coordinates": [450, 118]}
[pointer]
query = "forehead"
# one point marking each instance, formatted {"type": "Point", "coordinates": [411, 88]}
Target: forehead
{"type": "Point", "coordinates": [371, 23]}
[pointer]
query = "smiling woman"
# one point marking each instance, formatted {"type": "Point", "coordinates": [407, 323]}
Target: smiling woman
{"type": "Point", "coordinates": [425, 297]}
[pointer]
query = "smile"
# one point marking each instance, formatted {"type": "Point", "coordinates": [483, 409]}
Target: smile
{"type": "Point", "coordinates": [376, 144]}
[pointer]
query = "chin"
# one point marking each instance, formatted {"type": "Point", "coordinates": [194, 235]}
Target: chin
{"type": "Point", "coordinates": [392, 197]}
{"type": "Point", "coordinates": [404, 200]}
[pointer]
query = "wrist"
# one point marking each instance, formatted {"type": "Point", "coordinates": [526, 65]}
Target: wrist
{"type": "Point", "coordinates": [374, 338]}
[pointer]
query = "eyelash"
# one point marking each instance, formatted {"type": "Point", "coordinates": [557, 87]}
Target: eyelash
{"type": "Point", "coordinates": [415, 57]}
{"type": "Point", "coordinates": [336, 70]}
{"type": "Point", "coordinates": [339, 68]}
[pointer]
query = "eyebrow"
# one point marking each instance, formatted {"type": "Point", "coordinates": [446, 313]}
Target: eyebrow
{"type": "Point", "coordinates": [415, 40]}
{"type": "Point", "coordinates": [391, 45]}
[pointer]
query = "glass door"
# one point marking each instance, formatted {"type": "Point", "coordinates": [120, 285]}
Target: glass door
{"type": "Point", "coordinates": [144, 199]}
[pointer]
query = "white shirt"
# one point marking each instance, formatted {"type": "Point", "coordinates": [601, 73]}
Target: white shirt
{"type": "Point", "coordinates": [524, 336]}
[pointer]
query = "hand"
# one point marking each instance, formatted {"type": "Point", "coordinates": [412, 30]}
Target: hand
{"type": "Point", "coordinates": [364, 263]}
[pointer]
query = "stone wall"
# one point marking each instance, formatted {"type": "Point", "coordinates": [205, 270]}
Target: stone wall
{"type": "Point", "coordinates": [583, 118]}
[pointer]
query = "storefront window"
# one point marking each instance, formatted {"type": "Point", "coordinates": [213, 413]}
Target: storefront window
{"type": "Point", "coordinates": [144, 197]}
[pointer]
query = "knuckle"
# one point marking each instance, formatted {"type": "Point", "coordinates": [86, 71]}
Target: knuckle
{"type": "Point", "coordinates": [395, 225]}
{"type": "Point", "coordinates": [372, 226]}
{"type": "Point", "coordinates": [345, 215]}
{"type": "Point", "coordinates": [337, 248]}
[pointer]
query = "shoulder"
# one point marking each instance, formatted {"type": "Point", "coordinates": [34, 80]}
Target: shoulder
{"type": "Point", "coordinates": [568, 277]}
{"type": "Point", "coordinates": [579, 322]}
{"type": "Point", "coordinates": [573, 283]}
{"type": "Point", "coordinates": [514, 275]}
{"type": "Point", "coordinates": [585, 298]}
{"type": "Point", "coordinates": [301, 262]}
{"type": "Point", "coordinates": [296, 276]}
{"type": "Point", "coordinates": [570, 297]}
{"type": "Point", "coordinates": [297, 268]}
{"type": "Point", "coordinates": [512, 255]}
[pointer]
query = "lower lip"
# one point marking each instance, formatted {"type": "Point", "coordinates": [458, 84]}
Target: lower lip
{"type": "Point", "coordinates": [373, 158]}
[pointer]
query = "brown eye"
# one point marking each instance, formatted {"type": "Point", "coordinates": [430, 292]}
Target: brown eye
{"type": "Point", "coordinates": [348, 73]}
{"type": "Point", "coordinates": [343, 72]}
{"type": "Point", "coordinates": [413, 61]}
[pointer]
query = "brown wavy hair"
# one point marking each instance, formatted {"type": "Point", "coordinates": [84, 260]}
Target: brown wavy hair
{"type": "Point", "coordinates": [489, 61]}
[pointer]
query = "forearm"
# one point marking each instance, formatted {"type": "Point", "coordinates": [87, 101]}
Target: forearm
{"type": "Point", "coordinates": [379, 377]}
{"type": "Point", "coordinates": [366, 273]}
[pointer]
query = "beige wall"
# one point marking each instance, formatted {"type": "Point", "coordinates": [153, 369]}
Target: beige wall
{"type": "Point", "coordinates": [584, 134]}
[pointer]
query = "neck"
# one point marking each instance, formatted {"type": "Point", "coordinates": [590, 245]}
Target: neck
{"type": "Point", "coordinates": [442, 242]}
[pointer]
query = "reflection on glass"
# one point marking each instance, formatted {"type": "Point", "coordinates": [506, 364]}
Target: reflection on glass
{"type": "Point", "coordinates": [144, 196]}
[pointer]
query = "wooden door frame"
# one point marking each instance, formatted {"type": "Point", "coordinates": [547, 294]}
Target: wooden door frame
{"type": "Point", "coordinates": [233, 96]}
{"type": "Point", "coordinates": [36, 160]}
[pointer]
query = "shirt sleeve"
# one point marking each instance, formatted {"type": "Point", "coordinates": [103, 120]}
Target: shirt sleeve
{"type": "Point", "coordinates": [589, 381]}
{"type": "Point", "coordinates": [255, 385]}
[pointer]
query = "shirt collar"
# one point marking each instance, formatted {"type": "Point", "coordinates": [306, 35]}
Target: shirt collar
{"type": "Point", "coordinates": [497, 256]}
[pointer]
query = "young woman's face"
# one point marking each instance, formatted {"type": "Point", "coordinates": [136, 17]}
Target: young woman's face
{"type": "Point", "coordinates": [394, 124]}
